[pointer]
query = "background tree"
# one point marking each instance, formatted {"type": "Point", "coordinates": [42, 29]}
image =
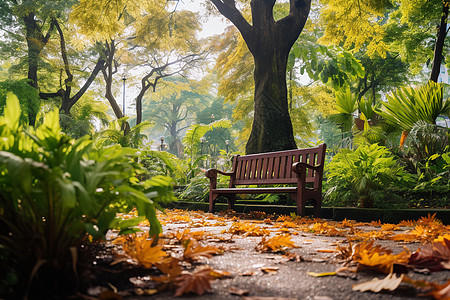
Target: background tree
{"type": "Point", "coordinates": [147, 37]}
{"type": "Point", "coordinates": [269, 41]}
{"type": "Point", "coordinates": [172, 108]}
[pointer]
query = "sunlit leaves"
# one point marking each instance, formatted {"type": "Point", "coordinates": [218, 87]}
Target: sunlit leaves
{"type": "Point", "coordinates": [355, 23]}
{"type": "Point", "coordinates": [194, 251]}
{"type": "Point", "coordinates": [189, 246]}
{"type": "Point", "coordinates": [276, 244]}
{"type": "Point", "coordinates": [141, 249]}
{"type": "Point", "coordinates": [247, 229]}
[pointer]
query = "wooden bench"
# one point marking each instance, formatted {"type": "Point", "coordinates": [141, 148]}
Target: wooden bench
{"type": "Point", "coordinates": [298, 168]}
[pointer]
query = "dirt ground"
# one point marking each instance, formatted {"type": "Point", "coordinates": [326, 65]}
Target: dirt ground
{"type": "Point", "coordinates": [256, 274]}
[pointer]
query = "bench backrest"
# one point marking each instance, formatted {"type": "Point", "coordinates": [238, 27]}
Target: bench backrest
{"type": "Point", "coordinates": [276, 167]}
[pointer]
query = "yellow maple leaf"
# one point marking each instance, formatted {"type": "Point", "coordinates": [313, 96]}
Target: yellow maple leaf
{"type": "Point", "coordinates": [440, 239]}
{"type": "Point", "coordinates": [171, 269]}
{"type": "Point", "coordinates": [377, 257]}
{"type": "Point", "coordinates": [276, 243]}
{"type": "Point", "coordinates": [140, 249]}
{"type": "Point", "coordinates": [247, 229]}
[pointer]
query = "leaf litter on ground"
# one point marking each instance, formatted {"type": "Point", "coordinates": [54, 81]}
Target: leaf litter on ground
{"type": "Point", "coordinates": [195, 246]}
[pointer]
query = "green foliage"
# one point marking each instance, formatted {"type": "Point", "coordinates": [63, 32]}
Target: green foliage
{"type": "Point", "coordinates": [163, 163]}
{"type": "Point", "coordinates": [361, 177]}
{"type": "Point", "coordinates": [54, 192]}
{"type": "Point", "coordinates": [197, 131]}
{"type": "Point", "coordinates": [29, 99]}
{"type": "Point", "coordinates": [407, 106]}
{"type": "Point", "coordinates": [346, 105]}
{"type": "Point", "coordinates": [82, 116]}
{"type": "Point", "coordinates": [115, 134]}
{"type": "Point", "coordinates": [335, 66]}
{"type": "Point", "coordinates": [427, 140]}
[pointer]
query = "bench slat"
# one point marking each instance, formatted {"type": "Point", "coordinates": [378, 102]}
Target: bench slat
{"type": "Point", "coordinates": [267, 190]}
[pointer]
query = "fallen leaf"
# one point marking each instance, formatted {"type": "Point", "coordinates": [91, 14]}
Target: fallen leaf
{"type": "Point", "coordinates": [378, 258]}
{"type": "Point", "coordinates": [247, 229]}
{"type": "Point", "coordinates": [193, 251]}
{"type": "Point", "coordinates": [266, 298]}
{"type": "Point", "coordinates": [390, 282]}
{"type": "Point", "coordinates": [220, 274]}
{"type": "Point", "coordinates": [293, 257]}
{"type": "Point", "coordinates": [237, 291]}
{"type": "Point", "coordinates": [322, 298]}
{"type": "Point", "coordinates": [197, 283]}
{"type": "Point", "coordinates": [442, 292]}
{"type": "Point", "coordinates": [326, 250]}
{"type": "Point", "coordinates": [170, 268]}
{"type": "Point", "coordinates": [276, 243]}
{"type": "Point", "coordinates": [270, 270]}
{"type": "Point", "coordinates": [248, 273]}
{"type": "Point", "coordinates": [109, 295]}
{"type": "Point", "coordinates": [140, 249]}
{"type": "Point", "coordinates": [324, 274]}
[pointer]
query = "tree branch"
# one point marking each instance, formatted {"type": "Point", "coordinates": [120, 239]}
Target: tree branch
{"type": "Point", "coordinates": [229, 10]}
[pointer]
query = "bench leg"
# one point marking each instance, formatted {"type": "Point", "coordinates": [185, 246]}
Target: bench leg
{"type": "Point", "coordinates": [212, 202]}
{"type": "Point", "coordinates": [231, 199]}
{"type": "Point", "coordinates": [297, 197]}
{"type": "Point", "coordinates": [318, 206]}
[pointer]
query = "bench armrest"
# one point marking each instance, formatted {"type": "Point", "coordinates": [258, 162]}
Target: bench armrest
{"type": "Point", "coordinates": [212, 173]}
{"type": "Point", "coordinates": [300, 168]}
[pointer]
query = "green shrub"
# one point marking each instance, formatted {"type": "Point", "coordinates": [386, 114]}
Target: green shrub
{"type": "Point", "coordinates": [362, 177]}
{"type": "Point", "coordinates": [55, 193]}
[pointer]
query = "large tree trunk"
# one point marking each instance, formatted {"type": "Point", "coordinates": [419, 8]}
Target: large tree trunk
{"type": "Point", "coordinates": [270, 42]}
{"type": "Point", "coordinates": [442, 33]}
{"type": "Point", "coordinates": [272, 127]}
{"type": "Point", "coordinates": [36, 41]}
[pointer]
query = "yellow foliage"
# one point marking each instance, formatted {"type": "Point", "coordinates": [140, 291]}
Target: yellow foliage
{"type": "Point", "coordinates": [355, 24]}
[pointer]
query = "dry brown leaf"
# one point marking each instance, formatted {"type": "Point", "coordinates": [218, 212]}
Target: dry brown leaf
{"type": "Point", "coordinates": [434, 257]}
{"type": "Point", "coordinates": [197, 282]}
{"type": "Point", "coordinates": [170, 268]}
{"type": "Point", "coordinates": [237, 291]}
{"type": "Point", "coordinates": [326, 250]}
{"type": "Point", "coordinates": [109, 295]}
{"type": "Point", "coordinates": [293, 257]}
{"type": "Point", "coordinates": [220, 274]}
{"type": "Point", "coordinates": [270, 270]}
{"type": "Point", "coordinates": [266, 298]}
{"type": "Point", "coordinates": [193, 251]}
{"type": "Point", "coordinates": [390, 283]}
{"type": "Point", "coordinates": [441, 292]}
{"type": "Point", "coordinates": [248, 273]}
